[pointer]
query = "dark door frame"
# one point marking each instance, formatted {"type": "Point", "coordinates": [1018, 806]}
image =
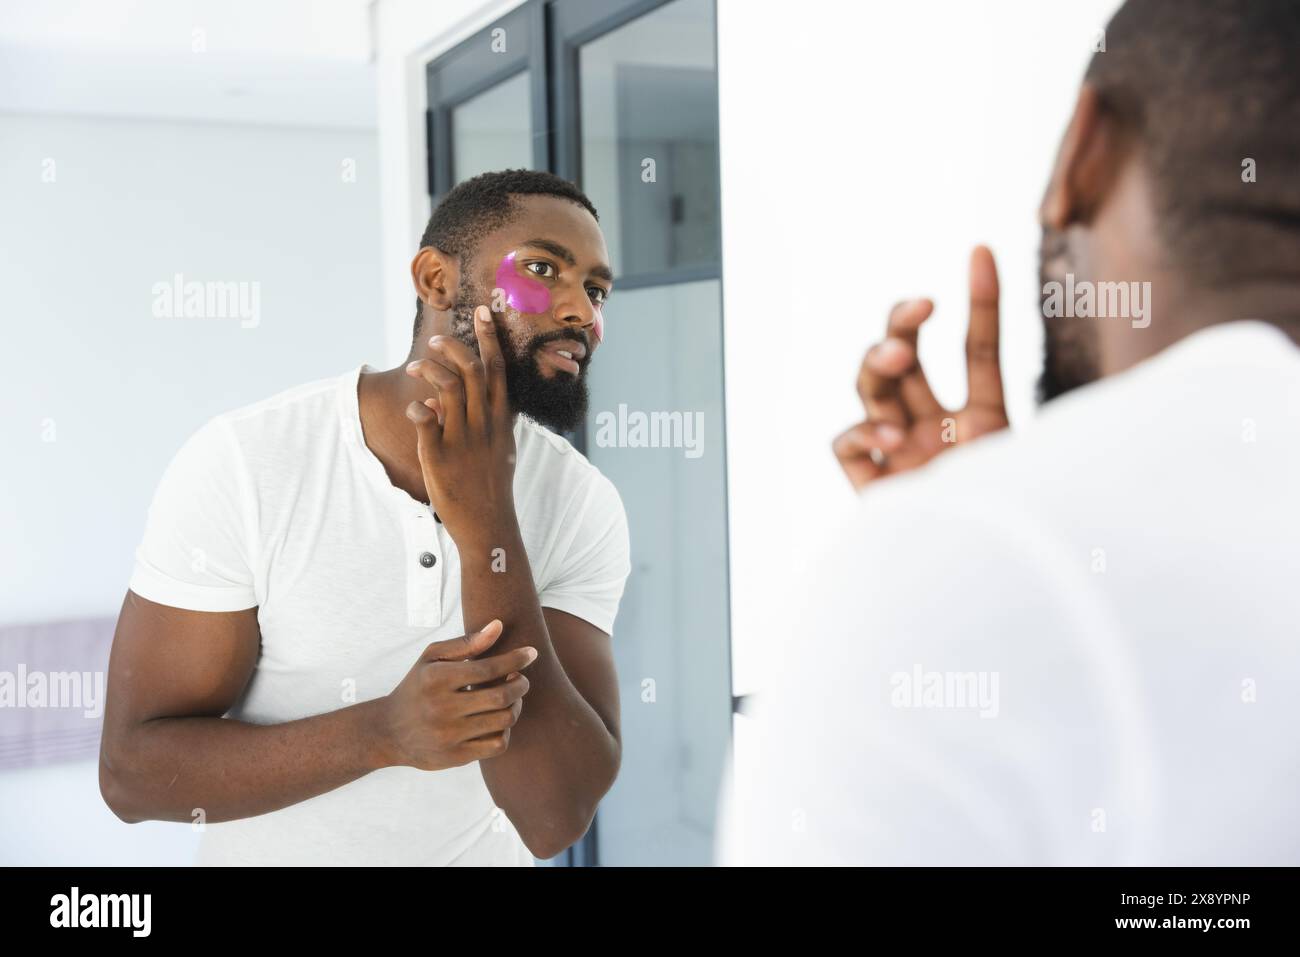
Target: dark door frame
{"type": "Point", "coordinates": [471, 68]}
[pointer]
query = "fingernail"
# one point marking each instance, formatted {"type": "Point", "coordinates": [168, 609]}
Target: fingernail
{"type": "Point", "coordinates": [483, 316]}
{"type": "Point", "coordinates": [412, 366]}
{"type": "Point", "coordinates": [532, 654]}
{"type": "Point", "coordinates": [889, 434]}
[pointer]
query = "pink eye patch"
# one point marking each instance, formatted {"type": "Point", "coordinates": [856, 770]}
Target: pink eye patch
{"type": "Point", "coordinates": [523, 293]}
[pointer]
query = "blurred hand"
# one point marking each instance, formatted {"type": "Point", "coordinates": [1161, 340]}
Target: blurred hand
{"type": "Point", "coordinates": [905, 425]}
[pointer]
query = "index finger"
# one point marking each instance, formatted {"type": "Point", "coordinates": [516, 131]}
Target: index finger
{"type": "Point", "coordinates": [886, 363]}
{"type": "Point", "coordinates": [454, 355]}
{"type": "Point", "coordinates": [480, 670]}
{"type": "Point", "coordinates": [489, 350]}
{"type": "Point", "coordinates": [983, 370]}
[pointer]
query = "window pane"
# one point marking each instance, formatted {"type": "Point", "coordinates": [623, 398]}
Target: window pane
{"type": "Point", "coordinates": [655, 429]}
{"type": "Point", "coordinates": [493, 130]}
{"type": "Point", "coordinates": [648, 94]}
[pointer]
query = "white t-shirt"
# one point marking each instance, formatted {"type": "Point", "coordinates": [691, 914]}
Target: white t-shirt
{"type": "Point", "coordinates": [1074, 643]}
{"type": "Point", "coordinates": [282, 506]}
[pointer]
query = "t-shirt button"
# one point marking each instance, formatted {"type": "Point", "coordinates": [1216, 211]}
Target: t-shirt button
{"type": "Point", "coordinates": [428, 559]}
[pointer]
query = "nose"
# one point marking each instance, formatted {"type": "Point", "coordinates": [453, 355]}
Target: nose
{"type": "Point", "coordinates": [577, 311]}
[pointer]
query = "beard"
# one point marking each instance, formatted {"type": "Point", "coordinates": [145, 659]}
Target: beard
{"type": "Point", "coordinates": [1070, 348]}
{"type": "Point", "coordinates": [558, 402]}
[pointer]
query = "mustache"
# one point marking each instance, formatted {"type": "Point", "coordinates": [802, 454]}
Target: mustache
{"type": "Point", "coordinates": [541, 340]}
{"type": "Point", "coordinates": [463, 327]}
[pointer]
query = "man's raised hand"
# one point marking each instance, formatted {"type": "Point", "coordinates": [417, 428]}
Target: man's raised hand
{"type": "Point", "coordinates": [465, 431]}
{"type": "Point", "coordinates": [905, 425]}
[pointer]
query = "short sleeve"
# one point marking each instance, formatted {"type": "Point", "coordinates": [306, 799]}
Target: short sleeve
{"type": "Point", "coordinates": [596, 562]}
{"type": "Point", "coordinates": [195, 552]}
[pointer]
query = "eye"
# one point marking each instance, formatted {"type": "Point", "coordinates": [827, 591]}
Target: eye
{"type": "Point", "coordinates": [597, 295]}
{"type": "Point", "coordinates": [543, 269]}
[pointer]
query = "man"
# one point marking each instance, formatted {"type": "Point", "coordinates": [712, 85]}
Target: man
{"type": "Point", "coordinates": [1077, 644]}
{"type": "Point", "coordinates": [397, 587]}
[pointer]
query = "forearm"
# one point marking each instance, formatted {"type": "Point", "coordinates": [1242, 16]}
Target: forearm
{"type": "Point", "coordinates": [562, 758]}
{"type": "Point", "coordinates": [166, 769]}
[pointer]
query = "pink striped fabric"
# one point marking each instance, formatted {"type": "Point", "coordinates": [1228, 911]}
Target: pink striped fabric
{"type": "Point", "coordinates": [53, 676]}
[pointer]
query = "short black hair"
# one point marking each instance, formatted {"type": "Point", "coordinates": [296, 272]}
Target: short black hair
{"type": "Point", "coordinates": [485, 203]}
{"type": "Point", "coordinates": [1205, 85]}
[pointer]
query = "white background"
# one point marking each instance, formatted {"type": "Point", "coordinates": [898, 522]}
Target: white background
{"type": "Point", "coordinates": [865, 149]}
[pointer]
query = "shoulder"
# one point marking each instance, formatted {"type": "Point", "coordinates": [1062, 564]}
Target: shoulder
{"type": "Point", "coordinates": [316, 402]}
{"type": "Point", "coordinates": [549, 464]}
{"type": "Point", "coordinates": [282, 432]}
{"type": "Point", "coordinates": [1113, 451]}
{"type": "Point", "coordinates": [547, 448]}
{"type": "Point", "coordinates": [231, 447]}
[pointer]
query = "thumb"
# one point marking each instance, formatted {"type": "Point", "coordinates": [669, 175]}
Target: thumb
{"type": "Point", "coordinates": [466, 646]}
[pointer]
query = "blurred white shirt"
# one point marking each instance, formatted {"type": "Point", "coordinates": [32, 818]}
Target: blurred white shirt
{"type": "Point", "coordinates": [1075, 643]}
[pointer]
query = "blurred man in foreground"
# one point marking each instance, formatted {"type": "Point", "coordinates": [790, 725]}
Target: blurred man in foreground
{"type": "Point", "coordinates": [1077, 643]}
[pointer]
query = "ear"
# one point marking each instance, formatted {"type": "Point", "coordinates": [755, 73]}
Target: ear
{"type": "Point", "coordinates": [1091, 154]}
{"type": "Point", "coordinates": [436, 276]}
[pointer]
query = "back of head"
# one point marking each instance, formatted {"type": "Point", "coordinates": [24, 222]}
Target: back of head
{"type": "Point", "coordinates": [1210, 90]}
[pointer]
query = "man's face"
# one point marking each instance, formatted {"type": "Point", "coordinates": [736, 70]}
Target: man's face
{"type": "Point", "coordinates": [545, 275]}
{"type": "Point", "coordinates": [1070, 346]}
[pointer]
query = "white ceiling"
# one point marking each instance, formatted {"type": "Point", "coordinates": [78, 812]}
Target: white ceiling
{"type": "Point", "coordinates": [281, 62]}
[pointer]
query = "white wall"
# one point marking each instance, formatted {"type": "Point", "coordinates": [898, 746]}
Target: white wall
{"type": "Point", "coordinates": [282, 63]}
{"type": "Point", "coordinates": [97, 393]}
{"type": "Point", "coordinates": [865, 149]}
{"type": "Point", "coordinates": [53, 816]}
{"type": "Point", "coordinates": [407, 35]}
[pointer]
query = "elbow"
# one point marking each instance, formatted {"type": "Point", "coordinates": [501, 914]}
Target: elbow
{"type": "Point", "coordinates": [548, 838]}
{"type": "Point", "coordinates": [114, 787]}
{"type": "Point", "coordinates": [556, 837]}
{"type": "Point", "coordinates": [115, 796]}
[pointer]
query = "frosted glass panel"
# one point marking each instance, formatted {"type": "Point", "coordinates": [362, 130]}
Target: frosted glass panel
{"type": "Point", "coordinates": [493, 131]}
{"type": "Point", "coordinates": [649, 101]}
{"type": "Point", "coordinates": [655, 428]}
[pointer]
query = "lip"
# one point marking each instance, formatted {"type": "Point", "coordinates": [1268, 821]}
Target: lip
{"type": "Point", "coordinates": [568, 345]}
{"type": "Point", "coordinates": [551, 351]}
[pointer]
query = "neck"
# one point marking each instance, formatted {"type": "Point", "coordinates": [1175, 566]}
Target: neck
{"type": "Point", "coordinates": [1187, 310]}
{"type": "Point", "coordinates": [382, 398]}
